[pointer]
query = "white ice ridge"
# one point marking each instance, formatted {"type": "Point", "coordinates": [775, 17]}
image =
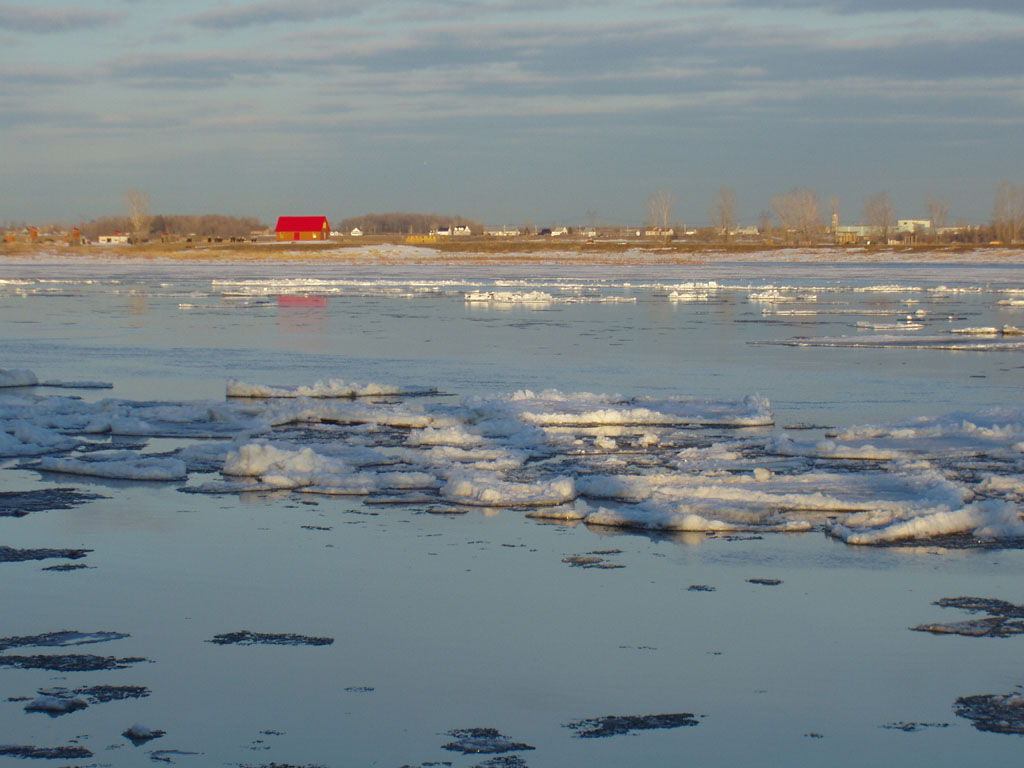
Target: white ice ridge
{"type": "Point", "coordinates": [510, 297]}
{"type": "Point", "coordinates": [25, 378]}
{"type": "Point", "coordinates": [17, 378]}
{"type": "Point", "coordinates": [321, 389]}
{"type": "Point", "coordinates": [673, 464]}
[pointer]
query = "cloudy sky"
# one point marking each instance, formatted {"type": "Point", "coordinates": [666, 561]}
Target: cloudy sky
{"type": "Point", "coordinates": [506, 110]}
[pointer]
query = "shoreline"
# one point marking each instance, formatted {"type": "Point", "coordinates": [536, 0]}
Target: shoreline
{"type": "Point", "coordinates": [391, 252]}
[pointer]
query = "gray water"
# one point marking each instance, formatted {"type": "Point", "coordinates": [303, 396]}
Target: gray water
{"type": "Point", "coordinates": [445, 622]}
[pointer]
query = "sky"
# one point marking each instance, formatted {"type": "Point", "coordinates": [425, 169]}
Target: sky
{"type": "Point", "coordinates": [506, 111]}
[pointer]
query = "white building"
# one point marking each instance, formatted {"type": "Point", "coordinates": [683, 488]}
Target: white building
{"type": "Point", "coordinates": [913, 225]}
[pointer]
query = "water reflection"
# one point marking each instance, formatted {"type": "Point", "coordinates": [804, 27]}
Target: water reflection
{"type": "Point", "coordinates": [302, 322]}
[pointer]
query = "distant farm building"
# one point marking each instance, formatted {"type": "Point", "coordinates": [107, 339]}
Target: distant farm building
{"type": "Point", "coordinates": [302, 228]}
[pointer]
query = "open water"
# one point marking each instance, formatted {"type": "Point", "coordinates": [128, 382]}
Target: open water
{"type": "Point", "coordinates": [447, 615]}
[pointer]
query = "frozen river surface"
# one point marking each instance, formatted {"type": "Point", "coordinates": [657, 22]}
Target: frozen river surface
{"type": "Point", "coordinates": [326, 515]}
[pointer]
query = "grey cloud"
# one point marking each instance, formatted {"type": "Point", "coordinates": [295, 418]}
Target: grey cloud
{"type": "Point", "coordinates": [874, 6]}
{"type": "Point", "coordinates": [48, 20]}
{"type": "Point", "coordinates": [273, 12]}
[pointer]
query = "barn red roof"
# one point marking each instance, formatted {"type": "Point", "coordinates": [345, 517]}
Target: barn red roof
{"type": "Point", "coordinates": [301, 224]}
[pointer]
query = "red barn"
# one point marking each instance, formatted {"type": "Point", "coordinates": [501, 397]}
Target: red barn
{"type": "Point", "coordinates": [302, 228]}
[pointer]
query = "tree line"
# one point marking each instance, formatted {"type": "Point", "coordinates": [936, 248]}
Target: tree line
{"type": "Point", "coordinates": [796, 216]}
{"type": "Point", "coordinates": [405, 223]}
{"type": "Point", "coordinates": [177, 227]}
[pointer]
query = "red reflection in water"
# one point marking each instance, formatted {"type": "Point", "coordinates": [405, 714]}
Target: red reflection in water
{"type": "Point", "coordinates": [302, 322]}
{"type": "Point", "coordinates": [301, 301]}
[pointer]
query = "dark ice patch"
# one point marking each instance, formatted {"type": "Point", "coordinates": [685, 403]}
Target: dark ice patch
{"type": "Point", "coordinates": [139, 735]}
{"type": "Point", "coordinates": [700, 588]}
{"type": "Point", "coordinates": [246, 637]}
{"type": "Point", "coordinates": [12, 555]}
{"type": "Point", "coordinates": [592, 560]}
{"type": "Point", "coordinates": [166, 755]}
{"type": "Point", "coordinates": [993, 713]}
{"type": "Point", "coordinates": [482, 741]}
{"type": "Point", "coordinates": [61, 639]}
{"type": "Point", "coordinates": [503, 761]}
{"type": "Point", "coordinates": [65, 567]}
{"type": "Point", "coordinates": [21, 503]}
{"type": "Point", "coordinates": [912, 727]}
{"type": "Point", "coordinates": [99, 694]}
{"type": "Point", "coordinates": [74, 662]}
{"type": "Point", "coordinates": [1004, 619]}
{"type": "Point", "coordinates": [765, 582]}
{"type": "Point", "coordinates": [45, 753]}
{"type": "Point", "coordinates": [616, 725]}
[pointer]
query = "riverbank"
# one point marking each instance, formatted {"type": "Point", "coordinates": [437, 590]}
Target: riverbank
{"type": "Point", "coordinates": [383, 251]}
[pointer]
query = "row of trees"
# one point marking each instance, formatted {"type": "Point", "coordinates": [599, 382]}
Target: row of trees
{"type": "Point", "coordinates": [797, 214]}
{"type": "Point", "coordinates": [205, 225]}
{"type": "Point", "coordinates": [405, 223]}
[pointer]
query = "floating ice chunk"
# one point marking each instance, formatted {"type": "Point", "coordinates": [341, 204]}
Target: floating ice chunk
{"type": "Point", "coordinates": [455, 436]}
{"type": "Point", "coordinates": [907, 325]}
{"type": "Point", "coordinates": [262, 459]}
{"type": "Point", "coordinates": [1002, 484]}
{"type": "Point", "coordinates": [490, 492]}
{"type": "Point", "coordinates": [989, 518]}
{"type": "Point", "coordinates": [55, 706]}
{"type": "Point", "coordinates": [777, 297]}
{"type": "Point", "coordinates": [493, 459]}
{"type": "Point", "coordinates": [660, 518]}
{"type": "Point", "coordinates": [986, 331]}
{"type": "Point", "coordinates": [366, 483]}
{"type": "Point", "coordinates": [621, 487]}
{"type": "Point", "coordinates": [510, 297]}
{"type": "Point", "coordinates": [17, 378]}
{"type": "Point", "coordinates": [77, 384]}
{"type": "Point", "coordinates": [140, 734]}
{"type": "Point", "coordinates": [546, 411]}
{"type": "Point", "coordinates": [134, 468]}
{"type": "Point", "coordinates": [24, 438]}
{"type": "Point", "coordinates": [333, 388]}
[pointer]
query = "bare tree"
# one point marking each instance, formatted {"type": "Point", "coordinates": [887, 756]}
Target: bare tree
{"type": "Point", "coordinates": [659, 208]}
{"type": "Point", "coordinates": [797, 212]}
{"type": "Point", "coordinates": [938, 211]}
{"type": "Point", "coordinates": [723, 211]}
{"type": "Point", "coordinates": [879, 214]}
{"type": "Point", "coordinates": [136, 203]}
{"type": "Point", "coordinates": [1008, 212]}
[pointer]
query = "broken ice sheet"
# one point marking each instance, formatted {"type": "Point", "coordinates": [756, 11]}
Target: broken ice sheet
{"type": "Point", "coordinates": [482, 741]}
{"type": "Point", "coordinates": [615, 725]}
{"type": "Point", "coordinates": [245, 637]}
{"type": "Point", "coordinates": [1003, 620]}
{"type": "Point", "coordinates": [12, 555]}
{"type": "Point", "coordinates": [994, 713]}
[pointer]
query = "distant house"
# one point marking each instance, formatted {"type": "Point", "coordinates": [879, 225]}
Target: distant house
{"type": "Point", "coordinates": [302, 228]}
{"type": "Point", "coordinates": [914, 226]}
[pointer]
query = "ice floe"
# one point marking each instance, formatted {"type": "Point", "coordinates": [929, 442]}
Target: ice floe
{"type": "Point", "coordinates": [321, 389]}
{"type": "Point", "coordinates": [713, 465]}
